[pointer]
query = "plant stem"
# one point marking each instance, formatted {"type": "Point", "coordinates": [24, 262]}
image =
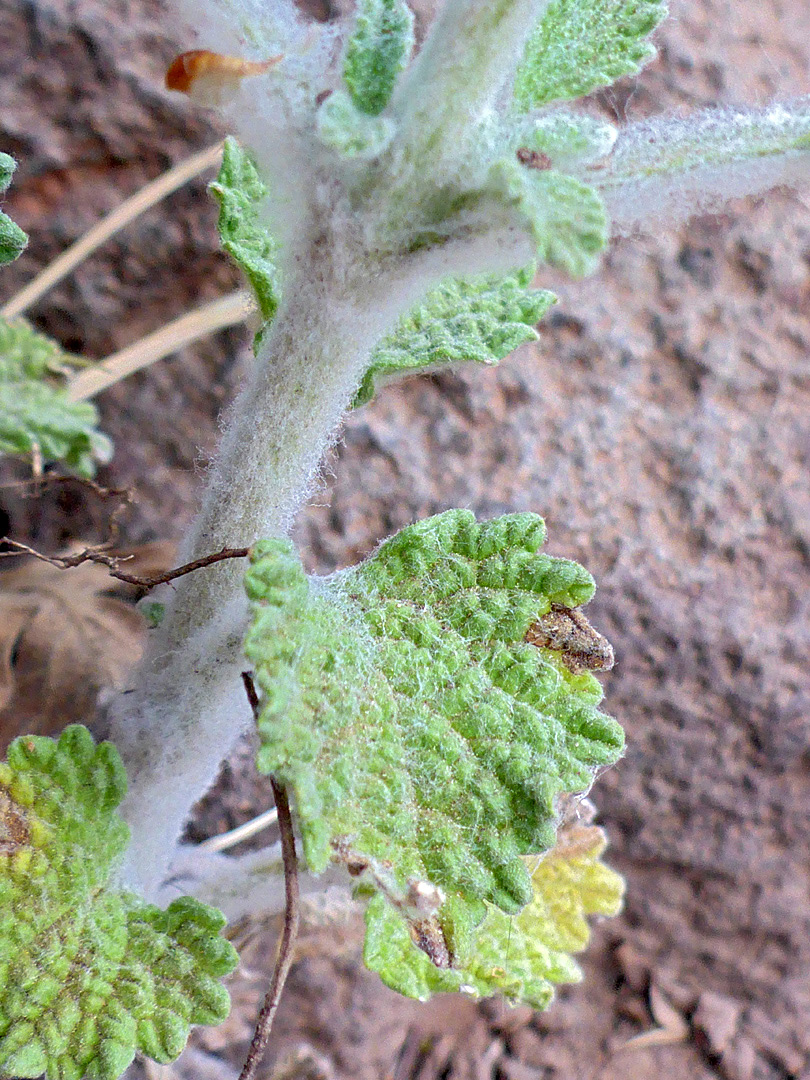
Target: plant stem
{"type": "Point", "coordinates": [187, 708]}
{"type": "Point", "coordinates": [433, 184]}
{"type": "Point", "coordinates": [470, 55]}
{"type": "Point", "coordinates": [286, 945]}
{"type": "Point", "coordinates": [343, 291]}
{"type": "Point", "coordinates": [122, 215]}
{"type": "Point", "coordinates": [282, 423]}
{"type": "Point", "coordinates": [216, 315]}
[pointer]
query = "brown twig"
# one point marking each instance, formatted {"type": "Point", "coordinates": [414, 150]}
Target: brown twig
{"type": "Point", "coordinates": [35, 483]}
{"type": "Point", "coordinates": [112, 562]}
{"type": "Point", "coordinates": [36, 486]}
{"type": "Point", "coordinates": [187, 568]}
{"type": "Point", "coordinates": [286, 945]}
{"type": "Point", "coordinates": [100, 553]}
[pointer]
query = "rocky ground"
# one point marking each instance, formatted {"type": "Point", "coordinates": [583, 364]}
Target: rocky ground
{"type": "Point", "coordinates": [660, 425]}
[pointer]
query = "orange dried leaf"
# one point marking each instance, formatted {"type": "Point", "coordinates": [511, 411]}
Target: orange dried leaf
{"type": "Point", "coordinates": [204, 75]}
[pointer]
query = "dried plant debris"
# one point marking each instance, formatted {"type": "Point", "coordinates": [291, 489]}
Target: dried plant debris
{"type": "Point", "coordinates": [568, 632]}
{"type": "Point", "coordinates": [64, 636]}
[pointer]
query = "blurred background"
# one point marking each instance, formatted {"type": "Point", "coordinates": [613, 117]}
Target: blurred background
{"type": "Point", "coordinates": [661, 426]}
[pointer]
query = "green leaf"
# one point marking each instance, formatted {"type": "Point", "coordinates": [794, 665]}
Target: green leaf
{"type": "Point", "coordinates": [567, 217]}
{"type": "Point", "coordinates": [240, 192]}
{"type": "Point", "coordinates": [521, 957]}
{"type": "Point", "coordinates": [567, 139]}
{"type": "Point", "coordinates": [352, 133]}
{"type": "Point", "coordinates": [423, 736]}
{"type": "Point", "coordinates": [89, 974]}
{"type": "Point", "coordinates": [377, 51]}
{"type": "Point", "coordinates": [26, 354]}
{"type": "Point", "coordinates": [580, 45]}
{"type": "Point", "coordinates": [36, 415]}
{"type": "Point", "coordinates": [7, 167]}
{"type": "Point", "coordinates": [12, 239]}
{"type": "Point", "coordinates": [35, 411]}
{"type": "Point", "coordinates": [481, 319]}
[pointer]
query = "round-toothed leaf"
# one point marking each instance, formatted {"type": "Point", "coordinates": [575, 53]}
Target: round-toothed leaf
{"type": "Point", "coordinates": [90, 974]}
{"type": "Point", "coordinates": [424, 731]}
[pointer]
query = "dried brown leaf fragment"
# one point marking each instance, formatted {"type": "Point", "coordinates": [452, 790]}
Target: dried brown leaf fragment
{"type": "Point", "coordinates": [65, 635]}
{"type": "Point", "coordinates": [567, 631]}
{"type": "Point", "coordinates": [13, 824]}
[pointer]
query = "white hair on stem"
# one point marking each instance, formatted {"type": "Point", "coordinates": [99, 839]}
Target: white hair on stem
{"type": "Point", "coordinates": [667, 169]}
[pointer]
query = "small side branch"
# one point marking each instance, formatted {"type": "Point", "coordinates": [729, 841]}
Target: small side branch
{"type": "Point", "coordinates": [112, 562]}
{"type": "Point", "coordinates": [291, 914]}
{"type": "Point", "coordinates": [186, 568]}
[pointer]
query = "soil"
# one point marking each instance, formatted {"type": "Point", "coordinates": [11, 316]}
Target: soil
{"type": "Point", "coordinates": [661, 427]}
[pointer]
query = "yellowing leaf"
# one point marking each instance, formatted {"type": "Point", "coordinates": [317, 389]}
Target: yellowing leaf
{"type": "Point", "coordinates": [90, 974]}
{"type": "Point", "coordinates": [521, 957]}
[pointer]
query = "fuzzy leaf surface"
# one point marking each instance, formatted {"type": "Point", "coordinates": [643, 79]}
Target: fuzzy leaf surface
{"type": "Point", "coordinates": [7, 167]}
{"type": "Point", "coordinates": [567, 139]}
{"type": "Point", "coordinates": [416, 726]}
{"type": "Point", "coordinates": [377, 51]}
{"type": "Point", "coordinates": [521, 957]}
{"type": "Point", "coordinates": [240, 192]}
{"type": "Point", "coordinates": [353, 134]}
{"type": "Point", "coordinates": [35, 409]}
{"type": "Point", "coordinates": [27, 354]}
{"type": "Point", "coordinates": [481, 319]}
{"type": "Point", "coordinates": [12, 239]}
{"type": "Point", "coordinates": [567, 217]}
{"type": "Point", "coordinates": [90, 974]}
{"type": "Point", "coordinates": [580, 45]}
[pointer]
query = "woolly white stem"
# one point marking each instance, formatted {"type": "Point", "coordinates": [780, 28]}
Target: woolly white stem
{"type": "Point", "coordinates": [429, 186]}
{"type": "Point", "coordinates": [246, 885]}
{"type": "Point", "coordinates": [174, 731]}
{"type": "Point", "coordinates": [669, 168]}
{"type": "Point", "coordinates": [188, 708]}
{"type": "Point", "coordinates": [470, 56]}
